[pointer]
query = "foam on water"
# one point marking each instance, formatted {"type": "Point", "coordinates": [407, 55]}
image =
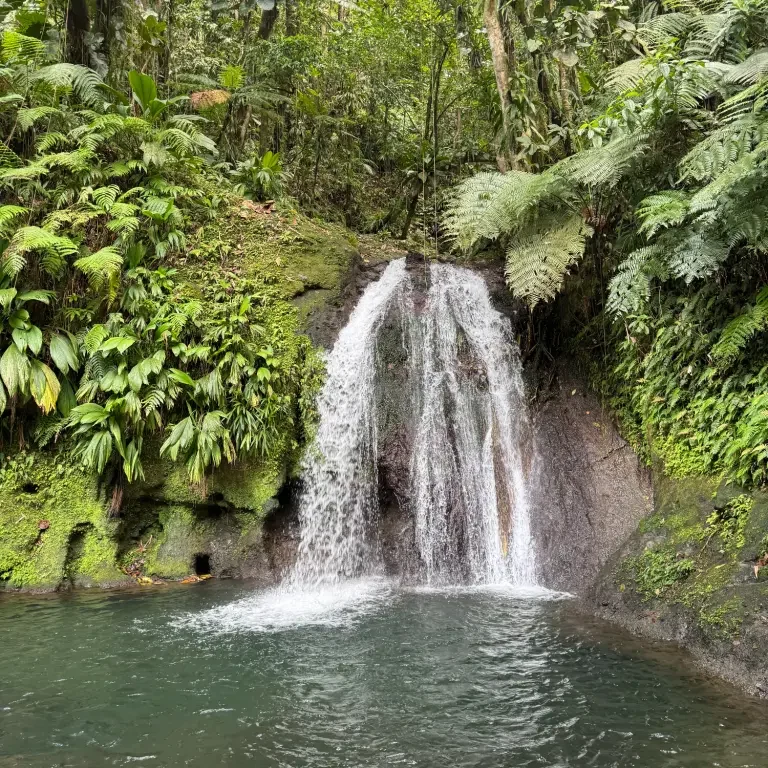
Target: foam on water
{"type": "Point", "coordinates": [288, 607]}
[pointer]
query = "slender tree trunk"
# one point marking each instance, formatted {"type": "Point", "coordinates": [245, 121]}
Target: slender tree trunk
{"type": "Point", "coordinates": [77, 24]}
{"type": "Point", "coordinates": [412, 203]}
{"type": "Point", "coordinates": [291, 18]}
{"type": "Point", "coordinates": [165, 56]}
{"type": "Point", "coordinates": [501, 70]}
{"type": "Point", "coordinates": [267, 24]}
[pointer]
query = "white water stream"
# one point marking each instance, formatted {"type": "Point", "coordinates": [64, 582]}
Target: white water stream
{"type": "Point", "coordinates": [469, 426]}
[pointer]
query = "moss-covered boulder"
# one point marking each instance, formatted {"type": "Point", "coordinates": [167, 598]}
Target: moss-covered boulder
{"type": "Point", "coordinates": [695, 572]}
{"type": "Point", "coordinates": [54, 530]}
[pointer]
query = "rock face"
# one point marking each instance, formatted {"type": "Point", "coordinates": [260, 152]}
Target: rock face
{"type": "Point", "coordinates": [691, 574]}
{"type": "Point", "coordinates": [590, 491]}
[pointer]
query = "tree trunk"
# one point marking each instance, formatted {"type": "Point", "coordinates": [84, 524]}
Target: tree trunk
{"type": "Point", "coordinates": [501, 70]}
{"type": "Point", "coordinates": [267, 24]}
{"type": "Point", "coordinates": [165, 56]}
{"type": "Point", "coordinates": [291, 18]}
{"type": "Point", "coordinates": [412, 203]}
{"type": "Point", "coordinates": [78, 24]}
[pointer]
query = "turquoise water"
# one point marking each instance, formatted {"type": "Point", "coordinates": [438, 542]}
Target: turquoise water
{"type": "Point", "coordinates": [219, 675]}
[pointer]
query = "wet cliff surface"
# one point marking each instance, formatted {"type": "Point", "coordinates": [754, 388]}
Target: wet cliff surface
{"type": "Point", "coordinates": [589, 491]}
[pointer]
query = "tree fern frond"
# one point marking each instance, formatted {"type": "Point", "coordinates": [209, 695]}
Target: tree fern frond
{"type": "Point", "coordinates": [630, 288]}
{"type": "Point", "coordinates": [538, 262]}
{"type": "Point", "coordinates": [17, 46]}
{"type": "Point", "coordinates": [664, 27]}
{"type": "Point", "coordinates": [627, 76]}
{"type": "Point", "coordinates": [486, 205]}
{"type": "Point", "coordinates": [84, 82]}
{"type": "Point", "coordinates": [749, 71]}
{"type": "Point", "coordinates": [698, 255]}
{"type": "Point", "coordinates": [602, 166]}
{"type": "Point", "coordinates": [662, 210]}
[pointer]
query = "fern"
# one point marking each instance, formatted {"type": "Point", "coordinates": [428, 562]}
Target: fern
{"type": "Point", "coordinates": [662, 210]}
{"type": "Point", "coordinates": [697, 256]}
{"type": "Point", "coordinates": [538, 262]}
{"type": "Point", "coordinates": [17, 46]}
{"type": "Point", "coordinates": [602, 166]}
{"type": "Point", "coordinates": [83, 82]}
{"type": "Point", "coordinates": [630, 287]}
{"type": "Point", "coordinates": [100, 267]}
{"type": "Point", "coordinates": [54, 249]}
{"type": "Point", "coordinates": [751, 70]}
{"type": "Point", "coordinates": [736, 335]}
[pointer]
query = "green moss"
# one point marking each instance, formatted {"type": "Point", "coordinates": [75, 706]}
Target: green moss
{"type": "Point", "coordinates": [281, 249]}
{"type": "Point", "coordinates": [712, 529]}
{"type": "Point", "coordinates": [679, 459]}
{"type": "Point", "coordinates": [657, 570]}
{"type": "Point", "coordinates": [48, 509]}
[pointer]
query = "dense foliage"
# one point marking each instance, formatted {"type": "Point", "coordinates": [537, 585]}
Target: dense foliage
{"type": "Point", "coordinates": [660, 211]}
{"type": "Point", "coordinates": [616, 153]}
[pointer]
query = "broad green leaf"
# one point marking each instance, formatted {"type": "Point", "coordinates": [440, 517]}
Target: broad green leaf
{"type": "Point", "coordinates": [67, 400]}
{"type": "Point", "coordinates": [120, 343]}
{"type": "Point", "coordinates": [63, 354]}
{"type": "Point", "coordinates": [143, 87]}
{"type": "Point", "coordinates": [181, 377]}
{"type": "Point", "coordinates": [3, 398]}
{"type": "Point", "coordinates": [7, 295]}
{"type": "Point", "coordinates": [14, 370]}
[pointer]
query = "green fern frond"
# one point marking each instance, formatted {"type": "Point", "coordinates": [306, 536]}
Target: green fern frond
{"type": "Point", "coordinates": [8, 158]}
{"type": "Point", "coordinates": [26, 240]}
{"type": "Point", "coordinates": [28, 117]}
{"type": "Point", "coordinates": [538, 262]}
{"type": "Point", "coordinates": [602, 166]}
{"type": "Point", "coordinates": [9, 213]}
{"type": "Point", "coordinates": [100, 267]}
{"type": "Point", "coordinates": [627, 76]}
{"type": "Point", "coordinates": [751, 70]}
{"type": "Point", "coordinates": [630, 288]}
{"type": "Point", "coordinates": [664, 27]}
{"type": "Point", "coordinates": [85, 83]}
{"type": "Point", "coordinates": [698, 255]}
{"type": "Point", "coordinates": [51, 140]}
{"type": "Point", "coordinates": [738, 332]}
{"type": "Point", "coordinates": [487, 205]}
{"type": "Point", "coordinates": [663, 210]}
{"type": "Point", "coordinates": [17, 46]}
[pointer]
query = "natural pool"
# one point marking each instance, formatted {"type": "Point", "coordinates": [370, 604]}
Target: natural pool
{"type": "Point", "coordinates": [220, 675]}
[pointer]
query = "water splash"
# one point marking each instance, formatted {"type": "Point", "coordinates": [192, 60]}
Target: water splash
{"type": "Point", "coordinates": [340, 476]}
{"type": "Point", "coordinates": [468, 422]}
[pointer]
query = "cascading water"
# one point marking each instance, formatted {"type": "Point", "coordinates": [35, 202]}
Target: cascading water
{"type": "Point", "coordinates": [469, 488]}
{"type": "Point", "coordinates": [340, 475]}
{"type": "Point", "coordinates": [468, 424]}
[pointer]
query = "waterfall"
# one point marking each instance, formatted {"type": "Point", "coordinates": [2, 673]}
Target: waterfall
{"type": "Point", "coordinates": [340, 476]}
{"type": "Point", "coordinates": [469, 488]}
{"type": "Point", "coordinates": [467, 421]}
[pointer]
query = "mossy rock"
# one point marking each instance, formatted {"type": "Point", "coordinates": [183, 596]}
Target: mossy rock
{"type": "Point", "coordinates": [54, 528]}
{"type": "Point", "coordinates": [276, 247]}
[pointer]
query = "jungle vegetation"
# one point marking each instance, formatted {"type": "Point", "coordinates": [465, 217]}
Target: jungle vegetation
{"type": "Point", "coordinates": [614, 153]}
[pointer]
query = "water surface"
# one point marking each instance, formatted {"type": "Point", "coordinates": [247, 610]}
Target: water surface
{"type": "Point", "coordinates": [219, 675]}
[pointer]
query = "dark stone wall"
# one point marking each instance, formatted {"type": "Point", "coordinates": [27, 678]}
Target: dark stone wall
{"type": "Point", "coordinates": [590, 491]}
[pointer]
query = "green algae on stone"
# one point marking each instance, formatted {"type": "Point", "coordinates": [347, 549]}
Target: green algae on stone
{"type": "Point", "coordinates": [49, 508]}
